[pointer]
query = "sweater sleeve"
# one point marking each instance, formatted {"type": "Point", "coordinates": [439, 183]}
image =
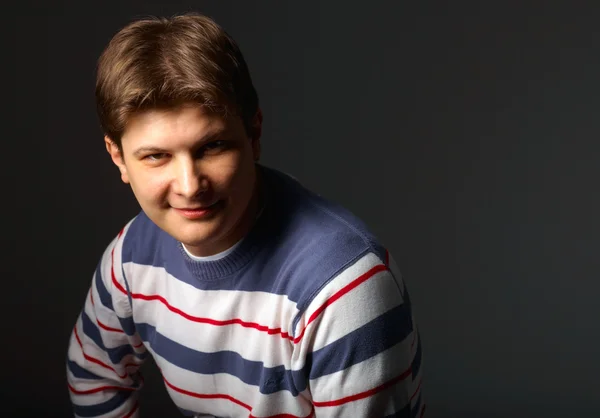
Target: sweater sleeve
{"type": "Point", "coordinates": [358, 346]}
{"type": "Point", "coordinates": [105, 352]}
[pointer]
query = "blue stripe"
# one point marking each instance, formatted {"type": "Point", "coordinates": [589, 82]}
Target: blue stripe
{"type": "Point", "coordinates": [268, 379]}
{"type": "Point", "coordinates": [407, 411]}
{"type": "Point", "coordinates": [297, 246]}
{"type": "Point", "coordinates": [415, 410]}
{"type": "Point", "coordinates": [80, 372]}
{"type": "Point", "coordinates": [291, 259]}
{"type": "Point", "coordinates": [127, 287]}
{"type": "Point", "coordinates": [100, 409]}
{"type": "Point", "coordinates": [104, 294]}
{"type": "Point", "coordinates": [416, 363]}
{"type": "Point", "coordinates": [186, 413]}
{"type": "Point", "coordinates": [127, 324]}
{"type": "Point", "coordinates": [115, 354]}
{"type": "Point", "coordinates": [406, 296]}
{"type": "Point", "coordinates": [402, 413]}
{"type": "Point", "coordinates": [369, 340]}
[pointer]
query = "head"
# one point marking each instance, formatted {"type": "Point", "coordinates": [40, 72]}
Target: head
{"type": "Point", "coordinates": [182, 124]}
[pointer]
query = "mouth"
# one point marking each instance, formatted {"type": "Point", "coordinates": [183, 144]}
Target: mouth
{"type": "Point", "coordinates": [199, 212]}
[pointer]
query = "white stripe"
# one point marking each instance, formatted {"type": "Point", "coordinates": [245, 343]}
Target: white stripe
{"type": "Point", "coordinates": [92, 350]}
{"type": "Point", "coordinates": [110, 339]}
{"type": "Point", "coordinates": [85, 384]}
{"type": "Point", "coordinates": [369, 374]}
{"type": "Point", "coordinates": [119, 412]}
{"type": "Point", "coordinates": [263, 405]}
{"type": "Point", "coordinates": [92, 399]}
{"type": "Point", "coordinates": [393, 266]}
{"type": "Point", "coordinates": [256, 308]}
{"type": "Point", "coordinates": [109, 317]}
{"type": "Point", "coordinates": [151, 280]}
{"type": "Point", "coordinates": [104, 314]}
{"type": "Point", "coordinates": [120, 300]}
{"type": "Point", "coordinates": [108, 260]}
{"type": "Point", "coordinates": [249, 343]}
{"type": "Point", "coordinates": [375, 296]}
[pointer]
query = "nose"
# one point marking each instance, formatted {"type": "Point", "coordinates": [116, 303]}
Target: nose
{"type": "Point", "coordinates": [188, 180]}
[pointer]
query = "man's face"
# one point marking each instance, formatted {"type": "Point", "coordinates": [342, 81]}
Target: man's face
{"type": "Point", "coordinates": [192, 173]}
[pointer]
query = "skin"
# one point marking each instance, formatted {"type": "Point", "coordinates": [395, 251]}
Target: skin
{"type": "Point", "coordinates": [188, 157]}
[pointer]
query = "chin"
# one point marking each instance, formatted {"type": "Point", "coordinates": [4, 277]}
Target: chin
{"type": "Point", "coordinates": [199, 235]}
{"type": "Point", "coordinates": [195, 236]}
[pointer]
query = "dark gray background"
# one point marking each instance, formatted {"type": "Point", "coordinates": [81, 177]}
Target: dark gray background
{"type": "Point", "coordinates": [465, 134]}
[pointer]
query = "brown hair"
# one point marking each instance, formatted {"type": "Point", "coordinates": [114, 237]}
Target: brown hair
{"type": "Point", "coordinates": [159, 62]}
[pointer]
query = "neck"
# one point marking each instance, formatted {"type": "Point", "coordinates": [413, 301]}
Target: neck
{"type": "Point", "coordinates": [242, 227]}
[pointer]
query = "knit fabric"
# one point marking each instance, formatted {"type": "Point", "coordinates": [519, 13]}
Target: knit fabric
{"type": "Point", "coordinates": [307, 317]}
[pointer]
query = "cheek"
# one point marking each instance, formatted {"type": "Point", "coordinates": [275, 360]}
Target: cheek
{"type": "Point", "coordinates": [223, 182]}
{"type": "Point", "coordinates": [227, 174]}
{"type": "Point", "coordinates": [241, 182]}
{"type": "Point", "coordinates": [150, 187]}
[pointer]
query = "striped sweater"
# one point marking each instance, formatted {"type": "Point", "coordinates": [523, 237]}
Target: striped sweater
{"type": "Point", "coordinates": [307, 317]}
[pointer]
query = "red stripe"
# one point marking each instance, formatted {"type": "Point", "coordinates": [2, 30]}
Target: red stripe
{"type": "Point", "coordinates": [130, 414]}
{"type": "Point", "coordinates": [132, 365]}
{"type": "Point", "coordinates": [352, 285]}
{"type": "Point", "coordinates": [106, 327]}
{"type": "Point", "coordinates": [271, 331]}
{"type": "Point", "coordinates": [416, 390]}
{"type": "Point", "coordinates": [112, 266]}
{"type": "Point", "coordinates": [207, 396]}
{"type": "Point", "coordinates": [423, 411]}
{"type": "Point", "coordinates": [387, 258]}
{"type": "Point", "coordinates": [365, 394]}
{"type": "Point", "coordinates": [96, 390]}
{"type": "Point", "coordinates": [264, 328]}
{"type": "Point", "coordinates": [100, 324]}
{"type": "Point", "coordinates": [310, 415]}
{"type": "Point", "coordinates": [117, 284]}
{"type": "Point", "coordinates": [230, 398]}
{"type": "Point", "coordinates": [93, 359]}
{"type": "Point", "coordinates": [112, 273]}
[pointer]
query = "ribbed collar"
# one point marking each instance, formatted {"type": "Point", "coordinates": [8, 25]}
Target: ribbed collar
{"type": "Point", "coordinates": [251, 244]}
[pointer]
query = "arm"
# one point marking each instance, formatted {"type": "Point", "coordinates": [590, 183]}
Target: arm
{"type": "Point", "coordinates": [105, 352]}
{"type": "Point", "coordinates": [359, 347]}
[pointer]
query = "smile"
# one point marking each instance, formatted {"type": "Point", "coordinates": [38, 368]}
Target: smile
{"type": "Point", "coordinates": [198, 213]}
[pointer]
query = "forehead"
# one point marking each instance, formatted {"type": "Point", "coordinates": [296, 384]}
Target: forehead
{"type": "Point", "coordinates": [174, 125]}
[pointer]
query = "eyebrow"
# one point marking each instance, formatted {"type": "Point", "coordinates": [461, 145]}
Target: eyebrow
{"type": "Point", "coordinates": [146, 150]}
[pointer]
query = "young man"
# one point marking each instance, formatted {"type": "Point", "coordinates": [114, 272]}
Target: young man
{"type": "Point", "coordinates": [255, 296]}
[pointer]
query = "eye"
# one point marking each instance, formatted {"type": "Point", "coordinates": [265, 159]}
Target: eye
{"type": "Point", "coordinates": [213, 147]}
{"type": "Point", "coordinates": [155, 157]}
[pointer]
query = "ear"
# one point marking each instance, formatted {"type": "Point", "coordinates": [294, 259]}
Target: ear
{"type": "Point", "coordinates": [117, 158]}
{"type": "Point", "coordinates": [256, 134]}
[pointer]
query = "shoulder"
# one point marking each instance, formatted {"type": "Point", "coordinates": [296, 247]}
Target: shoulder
{"type": "Point", "coordinates": [318, 225]}
{"type": "Point", "coordinates": [139, 241]}
{"type": "Point", "coordinates": [320, 239]}
{"type": "Point", "coordinates": [142, 240]}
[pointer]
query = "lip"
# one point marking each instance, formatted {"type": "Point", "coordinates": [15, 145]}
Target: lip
{"type": "Point", "coordinates": [198, 213]}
